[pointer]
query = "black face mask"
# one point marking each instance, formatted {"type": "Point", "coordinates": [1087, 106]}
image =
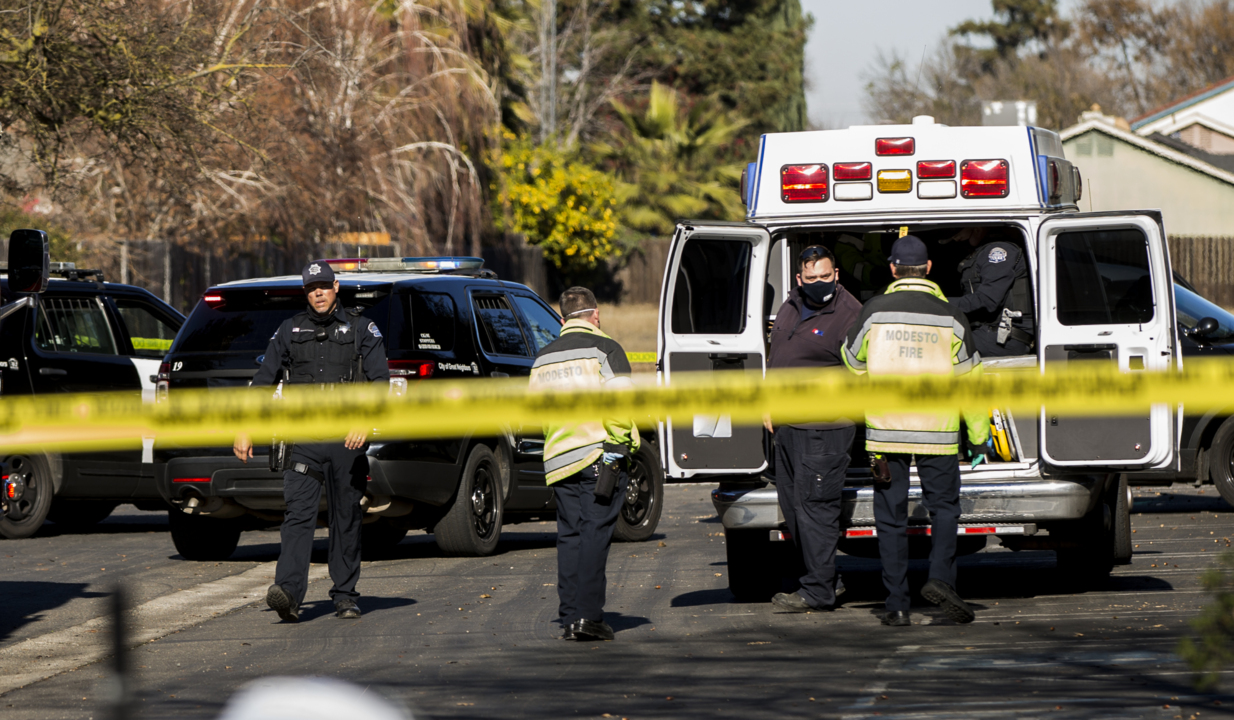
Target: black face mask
{"type": "Point", "coordinates": [818, 293]}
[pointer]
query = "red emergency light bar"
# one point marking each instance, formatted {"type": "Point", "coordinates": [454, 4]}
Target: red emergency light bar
{"type": "Point", "coordinates": [852, 171]}
{"type": "Point", "coordinates": [931, 169]}
{"type": "Point", "coordinates": [895, 146]}
{"type": "Point", "coordinates": [984, 179]}
{"type": "Point", "coordinates": [803, 183]}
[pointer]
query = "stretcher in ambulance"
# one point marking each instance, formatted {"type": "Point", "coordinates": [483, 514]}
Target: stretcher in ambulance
{"type": "Point", "coordinates": [1100, 292]}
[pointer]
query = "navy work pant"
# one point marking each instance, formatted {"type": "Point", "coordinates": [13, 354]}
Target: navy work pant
{"type": "Point", "coordinates": [584, 534]}
{"type": "Point", "coordinates": [346, 474]}
{"type": "Point", "coordinates": [940, 488]}
{"type": "Point", "coordinates": [810, 469]}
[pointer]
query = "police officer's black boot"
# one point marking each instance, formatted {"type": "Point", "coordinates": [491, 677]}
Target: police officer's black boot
{"type": "Point", "coordinates": [346, 609]}
{"type": "Point", "coordinates": [281, 602]}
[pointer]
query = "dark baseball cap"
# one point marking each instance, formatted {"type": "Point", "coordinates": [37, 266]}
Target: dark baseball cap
{"type": "Point", "coordinates": [317, 271]}
{"type": "Point", "coordinates": [909, 250]}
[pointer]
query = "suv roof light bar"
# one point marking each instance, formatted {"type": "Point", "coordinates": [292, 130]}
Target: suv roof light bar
{"type": "Point", "coordinates": [427, 265]}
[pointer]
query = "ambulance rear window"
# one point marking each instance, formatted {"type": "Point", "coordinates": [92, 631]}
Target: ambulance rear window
{"type": "Point", "coordinates": [709, 295]}
{"type": "Point", "coordinates": [1104, 278]}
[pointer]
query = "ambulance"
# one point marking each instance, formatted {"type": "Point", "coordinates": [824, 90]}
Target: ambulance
{"type": "Point", "coordinates": [1099, 290]}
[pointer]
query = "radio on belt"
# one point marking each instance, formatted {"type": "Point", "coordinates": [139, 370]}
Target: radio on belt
{"type": "Point", "coordinates": [1092, 287]}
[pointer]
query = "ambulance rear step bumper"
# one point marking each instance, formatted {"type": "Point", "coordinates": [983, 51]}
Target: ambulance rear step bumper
{"type": "Point", "coordinates": [1012, 504]}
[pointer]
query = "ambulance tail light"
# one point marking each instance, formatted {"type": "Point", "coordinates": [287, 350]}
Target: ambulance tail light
{"type": "Point", "coordinates": [851, 171]}
{"type": "Point", "coordinates": [984, 179]}
{"type": "Point", "coordinates": [895, 146]}
{"type": "Point", "coordinates": [935, 169]}
{"type": "Point", "coordinates": [1079, 183]}
{"type": "Point", "coordinates": [803, 183]}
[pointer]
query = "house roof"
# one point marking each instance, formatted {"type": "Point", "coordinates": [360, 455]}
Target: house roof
{"type": "Point", "coordinates": [1103, 125]}
{"type": "Point", "coordinates": [1183, 103]}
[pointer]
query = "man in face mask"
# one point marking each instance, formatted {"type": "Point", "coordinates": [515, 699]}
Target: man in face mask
{"type": "Point", "coordinates": [812, 458]}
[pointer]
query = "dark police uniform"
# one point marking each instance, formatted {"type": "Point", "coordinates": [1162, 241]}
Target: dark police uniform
{"type": "Point", "coordinates": [322, 351]}
{"type": "Point", "coordinates": [995, 276]}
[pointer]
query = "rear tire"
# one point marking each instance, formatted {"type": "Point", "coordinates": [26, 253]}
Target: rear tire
{"type": "Point", "coordinates": [1221, 460]}
{"type": "Point", "coordinates": [472, 525]}
{"type": "Point", "coordinates": [644, 501]}
{"type": "Point", "coordinates": [753, 567]}
{"type": "Point", "coordinates": [80, 514]}
{"type": "Point", "coordinates": [1123, 549]}
{"type": "Point", "coordinates": [1086, 556]}
{"type": "Point", "coordinates": [202, 538]}
{"type": "Point", "coordinates": [35, 503]}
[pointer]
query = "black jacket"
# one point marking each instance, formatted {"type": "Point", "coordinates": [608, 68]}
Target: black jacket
{"type": "Point", "coordinates": [813, 340]}
{"type": "Point", "coordinates": [304, 359]}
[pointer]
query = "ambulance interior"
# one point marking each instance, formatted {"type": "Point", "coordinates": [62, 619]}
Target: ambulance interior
{"type": "Point", "coordinates": [861, 257]}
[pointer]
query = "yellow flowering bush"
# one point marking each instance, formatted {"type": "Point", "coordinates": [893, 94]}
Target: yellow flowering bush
{"type": "Point", "coordinates": [562, 205]}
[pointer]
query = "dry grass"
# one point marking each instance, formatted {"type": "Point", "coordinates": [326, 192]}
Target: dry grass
{"type": "Point", "coordinates": [634, 326]}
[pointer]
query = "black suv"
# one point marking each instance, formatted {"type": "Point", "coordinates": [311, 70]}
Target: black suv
{"type": "Point", "coordinates": [83, 335]}
{"type": "Point", "coordinates": [441, 318]}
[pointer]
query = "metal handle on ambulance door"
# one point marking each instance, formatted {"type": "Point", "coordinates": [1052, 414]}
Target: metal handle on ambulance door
{"type": "Point", "coordinates": [52, 371]}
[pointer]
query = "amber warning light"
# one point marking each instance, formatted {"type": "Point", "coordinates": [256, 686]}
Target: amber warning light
{"type": "Point", "coordinates": [803, 183]}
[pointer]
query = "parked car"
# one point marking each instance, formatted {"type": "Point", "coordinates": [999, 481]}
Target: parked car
{"type": "Point", "coordinates": [82, 335]}
{"type": "Point", "coordinates": [1206, 444]}
{"type": "Point", "coordinates": [441, 318]}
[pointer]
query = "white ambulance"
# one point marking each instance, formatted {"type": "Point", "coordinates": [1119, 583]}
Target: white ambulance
{"type": "Point", "coordinates": [1100, 289]}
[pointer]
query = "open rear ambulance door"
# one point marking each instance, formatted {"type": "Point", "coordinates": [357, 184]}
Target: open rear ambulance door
{"type": "Point", "coordinates": [712, 320]}
{"type": "Point", "coordinates": [1107, 297]}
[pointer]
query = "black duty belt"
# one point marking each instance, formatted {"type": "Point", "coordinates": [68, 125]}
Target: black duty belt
{"type": "Point", "coordinates": [304, 469]}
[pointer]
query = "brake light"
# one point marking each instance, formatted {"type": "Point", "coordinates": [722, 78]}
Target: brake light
{"type": "Point", "coordinates": [213, 300]}
{"type": "Point", "coordinates": [984, 179]}
{"type": "Point", "coordinates": [895, 146]}
{"type": "Point", "coordinates": [163, 382]}
{"type": "Point", "coordinates": [191, 480]}
{"type": "Point", "coordinates": [936, 169]}
{"type": "Point", "coordinates": [851, 171]}
{"type": "Point", "coordinates": [803, 183]}
{"type": "Point", "coordinates": [411, 368]}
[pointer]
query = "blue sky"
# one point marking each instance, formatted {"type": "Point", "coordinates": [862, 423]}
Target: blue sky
{"type": "Point", "coordinates": [847, 37]}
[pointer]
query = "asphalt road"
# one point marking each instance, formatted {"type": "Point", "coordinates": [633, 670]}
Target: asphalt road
{"type": "Point", "coordinates": [475, 637]}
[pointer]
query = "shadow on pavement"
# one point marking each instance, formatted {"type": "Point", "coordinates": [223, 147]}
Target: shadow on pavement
{"type": "Point", "coordinates": [1166, 501]}
{"type": "Point", "coordinates": [25, 601]}
{"type": "Point", "coordinates": [368, 604]}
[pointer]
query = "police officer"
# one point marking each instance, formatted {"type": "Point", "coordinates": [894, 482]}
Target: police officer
{"type": "Point", "coordinates": [585, 463]}
{"type": "Point", "coordinates": [996, 295]}
{"type": "Point", "coordinates": [912, 330]}
{"type": "Point", "coordinates": [812, 458]}
{"type": "Point", "coordinates": [322, 346]}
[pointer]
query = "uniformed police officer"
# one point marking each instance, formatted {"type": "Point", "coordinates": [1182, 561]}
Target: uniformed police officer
{"type": "Point", "coordinates": [323, 346]}
{"type": "Point", "coordinates": [996, 295]}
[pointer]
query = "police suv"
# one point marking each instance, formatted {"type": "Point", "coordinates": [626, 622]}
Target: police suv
{"type": "Point", "coordinates": [443, 317]}
{"type": "Point", "coordinates": [1099, 288]}
{"type": "Point", "coordinates": [81, 334]}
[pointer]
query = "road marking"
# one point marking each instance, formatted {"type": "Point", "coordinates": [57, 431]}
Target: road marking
{"type": "Point", "coordinates": [45, 656]}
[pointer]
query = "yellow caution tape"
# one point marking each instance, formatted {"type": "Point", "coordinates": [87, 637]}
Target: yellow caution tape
{"type": "Point", "coordinates": [141, 343]}
{"type": "Point", "coordinates": [641, 357]}
{"type": "Point", "coordinates": [442, 408]}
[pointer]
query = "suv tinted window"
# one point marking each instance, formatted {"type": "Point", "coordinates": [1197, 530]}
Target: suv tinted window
{"type": "Point", "coordinates": [432, 322]}
{"type": "Point", "coordinates": [245, 321]}
{"type": "Point", "coordinates": [710, 294]}
{"type": "Point", "coordinates": [150, 333]}
{"type": "Point", "coordinates": [499, 330]}
{"type": "Point", "coordinates": [543, 325]}
{"type": "Point", "coordinates": [1103, 278]}
{"type": "Point", "coordinates": [76, 325]}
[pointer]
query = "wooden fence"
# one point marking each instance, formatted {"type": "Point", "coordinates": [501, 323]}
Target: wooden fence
{"type": "Point", "coordinates": [1208, 264]}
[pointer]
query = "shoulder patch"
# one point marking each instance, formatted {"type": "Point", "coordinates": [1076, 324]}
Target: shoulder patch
{"type": "Point", "coordinates": [997, 255]}
{"type": "Point", "coordinates": [372, 328]}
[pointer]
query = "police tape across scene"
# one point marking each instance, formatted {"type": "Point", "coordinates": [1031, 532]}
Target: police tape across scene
{"type": "Point", "coordinates": [444, 408]}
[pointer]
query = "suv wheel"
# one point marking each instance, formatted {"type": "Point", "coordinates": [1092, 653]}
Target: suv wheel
{"type": "Point", "coordinates": [80, 514]}
{"type": "Point", "coordinates": [644, 501]}
{"type": "Point", "coordinates": [1089, 544]}
{"type": "Point", "coordinates": [1221, 464]}
{"type": "Point", "coordinates": [202, 538]}
{"type": "Point", "coordinates": [27, 513]}
{"type": "Point", "coordinates": [472, 525]}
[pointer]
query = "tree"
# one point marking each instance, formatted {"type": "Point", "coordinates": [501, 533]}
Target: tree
{"type": "Point", "coordinates": [674, 160]}
{"type": "Point", "coordinates": [1017, 25]}
{"type": "Point", "coordinates": [1213, 650]}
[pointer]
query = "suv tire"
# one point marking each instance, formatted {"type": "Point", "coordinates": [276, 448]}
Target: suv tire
{"type": "Point", "coordinates": [80, 514]}
{"type": "Point", "coordinates": [1123, 549]}
{"type": "Point", "coordinates": [35, 502]}
{"type": "Point", "coordinates": [472, 525]}
{"type": "Point", "coordinates": [202, 538]}
{"type": "Point", "coordinates": [1088, 553]}
{"type": "Point", "coordinates": [1221, 460]}
{"type": "Point", "coordinates": [753, 565]}
{"type": "Point", "coordinates": [644, 501]}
